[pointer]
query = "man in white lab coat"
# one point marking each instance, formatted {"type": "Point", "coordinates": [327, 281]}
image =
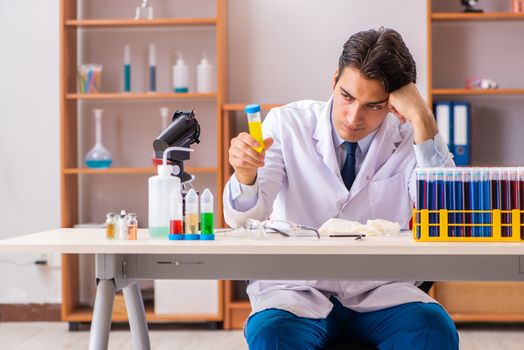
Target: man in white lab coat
{"type": "Point", "coordinates": [352, 157]}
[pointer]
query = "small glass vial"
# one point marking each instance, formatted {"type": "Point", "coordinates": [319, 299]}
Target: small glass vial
{"type": "Point", "coordinates": [110, 225]}
{"type": "Point", "coordinates": [121, 232]}
{"type": "Point", "coordinates": [144, 10]}
{"type": "Point", "coordinates": [132, 226]}
{"type": "Point", "coordinates": [254, 122]}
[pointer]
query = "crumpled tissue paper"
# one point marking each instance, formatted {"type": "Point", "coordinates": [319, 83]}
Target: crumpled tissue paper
{"type": "Point", "coordinates": [377, 227]}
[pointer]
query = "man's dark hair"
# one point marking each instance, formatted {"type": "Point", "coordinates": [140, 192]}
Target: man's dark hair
{"type": "Point", "coordinates": [381, 55]}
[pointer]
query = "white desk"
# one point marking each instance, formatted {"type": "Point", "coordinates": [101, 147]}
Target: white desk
{"type": "Point", "coordinates": [119, 264]}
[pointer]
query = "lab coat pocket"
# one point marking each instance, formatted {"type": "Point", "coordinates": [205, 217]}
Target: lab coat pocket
{"type": "Point", "coordinates": [389, 199]}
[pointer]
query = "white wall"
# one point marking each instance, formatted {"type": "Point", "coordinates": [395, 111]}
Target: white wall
{"type": "Point", "coordinates": [279, 51]}
{"type": "Point", "coordinates": [29, 142]}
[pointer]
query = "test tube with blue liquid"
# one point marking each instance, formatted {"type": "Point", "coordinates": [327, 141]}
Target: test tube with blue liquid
{"type": "Point", "coordinates": [127, 68]}
{"type": "Point", "coordinates": [475, 197]}
{"type": "Point", "coordinates": [441, 196]}
{"type": "Point", "coordinates": [466, 189]}
{"type": "Point", "coordinates": [152, 68]}
{"type": "Point", "coordinates": [422, 194]}
{"type": "Point", "coordinates": [450, 200]}
{"type": "Point", "coordinates": [485, 201]}
{"type": "Point", "coordinates": [458, 201]}
{"type": "Point", "coordinates": [432, 200]}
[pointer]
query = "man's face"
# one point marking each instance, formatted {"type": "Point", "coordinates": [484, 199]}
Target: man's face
{"type": "Point", "coordinates": [360, 105]}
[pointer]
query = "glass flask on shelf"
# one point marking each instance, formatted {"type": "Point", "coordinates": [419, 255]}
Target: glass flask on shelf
{"type": "Point", "coordinates": [144, 10]}
{"type": "Point", "coordinates": [98, 157]}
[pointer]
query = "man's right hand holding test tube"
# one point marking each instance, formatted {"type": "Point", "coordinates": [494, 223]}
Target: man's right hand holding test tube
{"type": "Point", "coordinates": [244, 159]}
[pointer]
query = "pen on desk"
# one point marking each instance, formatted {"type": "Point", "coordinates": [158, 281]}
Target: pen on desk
{"type": "Point", "coordinates": [351, 235]}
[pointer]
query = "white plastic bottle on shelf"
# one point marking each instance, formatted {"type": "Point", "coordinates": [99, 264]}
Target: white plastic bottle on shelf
{"type": "Point", "coordinates": [160, 188]}
{"type": "Point", "coordinates": [204, 76]}
{"type": "Point", "coordinates": [180, 75]}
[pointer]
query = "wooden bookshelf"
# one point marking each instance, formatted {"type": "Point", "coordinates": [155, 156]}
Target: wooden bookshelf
{"type": "Point", "coordinates": [473, 301]}
{"type": "Point", "coordinates": [70, 113]}
{"type": "Point", "coordinates": [157, 22]}
{"type": "Point", "coordinates": [140, 96]}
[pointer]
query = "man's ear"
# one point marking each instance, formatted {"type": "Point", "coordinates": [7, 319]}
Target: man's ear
{"type": "Point", "coordinates": [335, 79]}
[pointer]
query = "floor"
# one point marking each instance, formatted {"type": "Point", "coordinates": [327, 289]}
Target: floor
{"type": "Point", "coordinates": [42, 335]}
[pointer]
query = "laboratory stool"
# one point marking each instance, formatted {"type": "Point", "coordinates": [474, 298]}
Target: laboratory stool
{"type": "Point", "coordinates": [425, 286]}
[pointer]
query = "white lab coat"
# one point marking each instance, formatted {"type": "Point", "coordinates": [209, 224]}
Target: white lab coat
{"type": "Point", "coordinates": [301, 182]}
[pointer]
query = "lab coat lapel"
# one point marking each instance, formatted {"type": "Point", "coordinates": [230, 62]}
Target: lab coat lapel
{"type": "Point", "coordinates": [324, 138]}
{"type": "Point", "coordinates": [382, 147]}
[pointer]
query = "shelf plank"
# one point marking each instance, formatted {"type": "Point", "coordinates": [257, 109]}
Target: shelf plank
{"type": "Point", "coordinates": [241, 106]}
{"type": "Point", "coordinates": [85, 314]}
{"type": "Point", "coordinates": [157, 22]}
{"type": "Point", "coordinates": [141, 96]}
{"type": "Point", "coordinates": [497, 16]}
{"type": "Point", "coordinates": [487, 317]}
{"type": "Point", "coordinates": [135, 170]}
{"type": "Point", "coordinates": [477, 92]}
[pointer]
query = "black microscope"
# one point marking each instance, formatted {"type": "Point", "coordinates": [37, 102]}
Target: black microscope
{"type": "Point", "coordinates": [183, 131]}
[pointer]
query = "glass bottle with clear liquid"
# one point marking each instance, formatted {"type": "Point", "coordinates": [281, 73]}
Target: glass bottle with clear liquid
{"type": "Point", "coordinates": [144, 10]}
{"type": "Point", "coordinates": [98, 157]}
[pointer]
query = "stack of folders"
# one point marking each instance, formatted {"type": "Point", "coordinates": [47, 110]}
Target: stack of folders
{"type": "Point", "coordinates": [454, 124]}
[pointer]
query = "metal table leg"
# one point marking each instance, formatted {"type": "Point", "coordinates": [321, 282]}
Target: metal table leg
{"type": "Point", "coordinates": [137, 317]}
{"type": "Point", "coordinates": [116, 272]}
{"type": "Point", "coordinates": [102, 313]}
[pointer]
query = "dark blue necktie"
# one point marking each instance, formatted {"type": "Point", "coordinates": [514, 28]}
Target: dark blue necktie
{"type": "Point", "coordinates": [348, 170]}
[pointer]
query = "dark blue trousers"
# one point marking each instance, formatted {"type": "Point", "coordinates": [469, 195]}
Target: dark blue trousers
{"type": "Point", "coordinates": [409, 326]}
